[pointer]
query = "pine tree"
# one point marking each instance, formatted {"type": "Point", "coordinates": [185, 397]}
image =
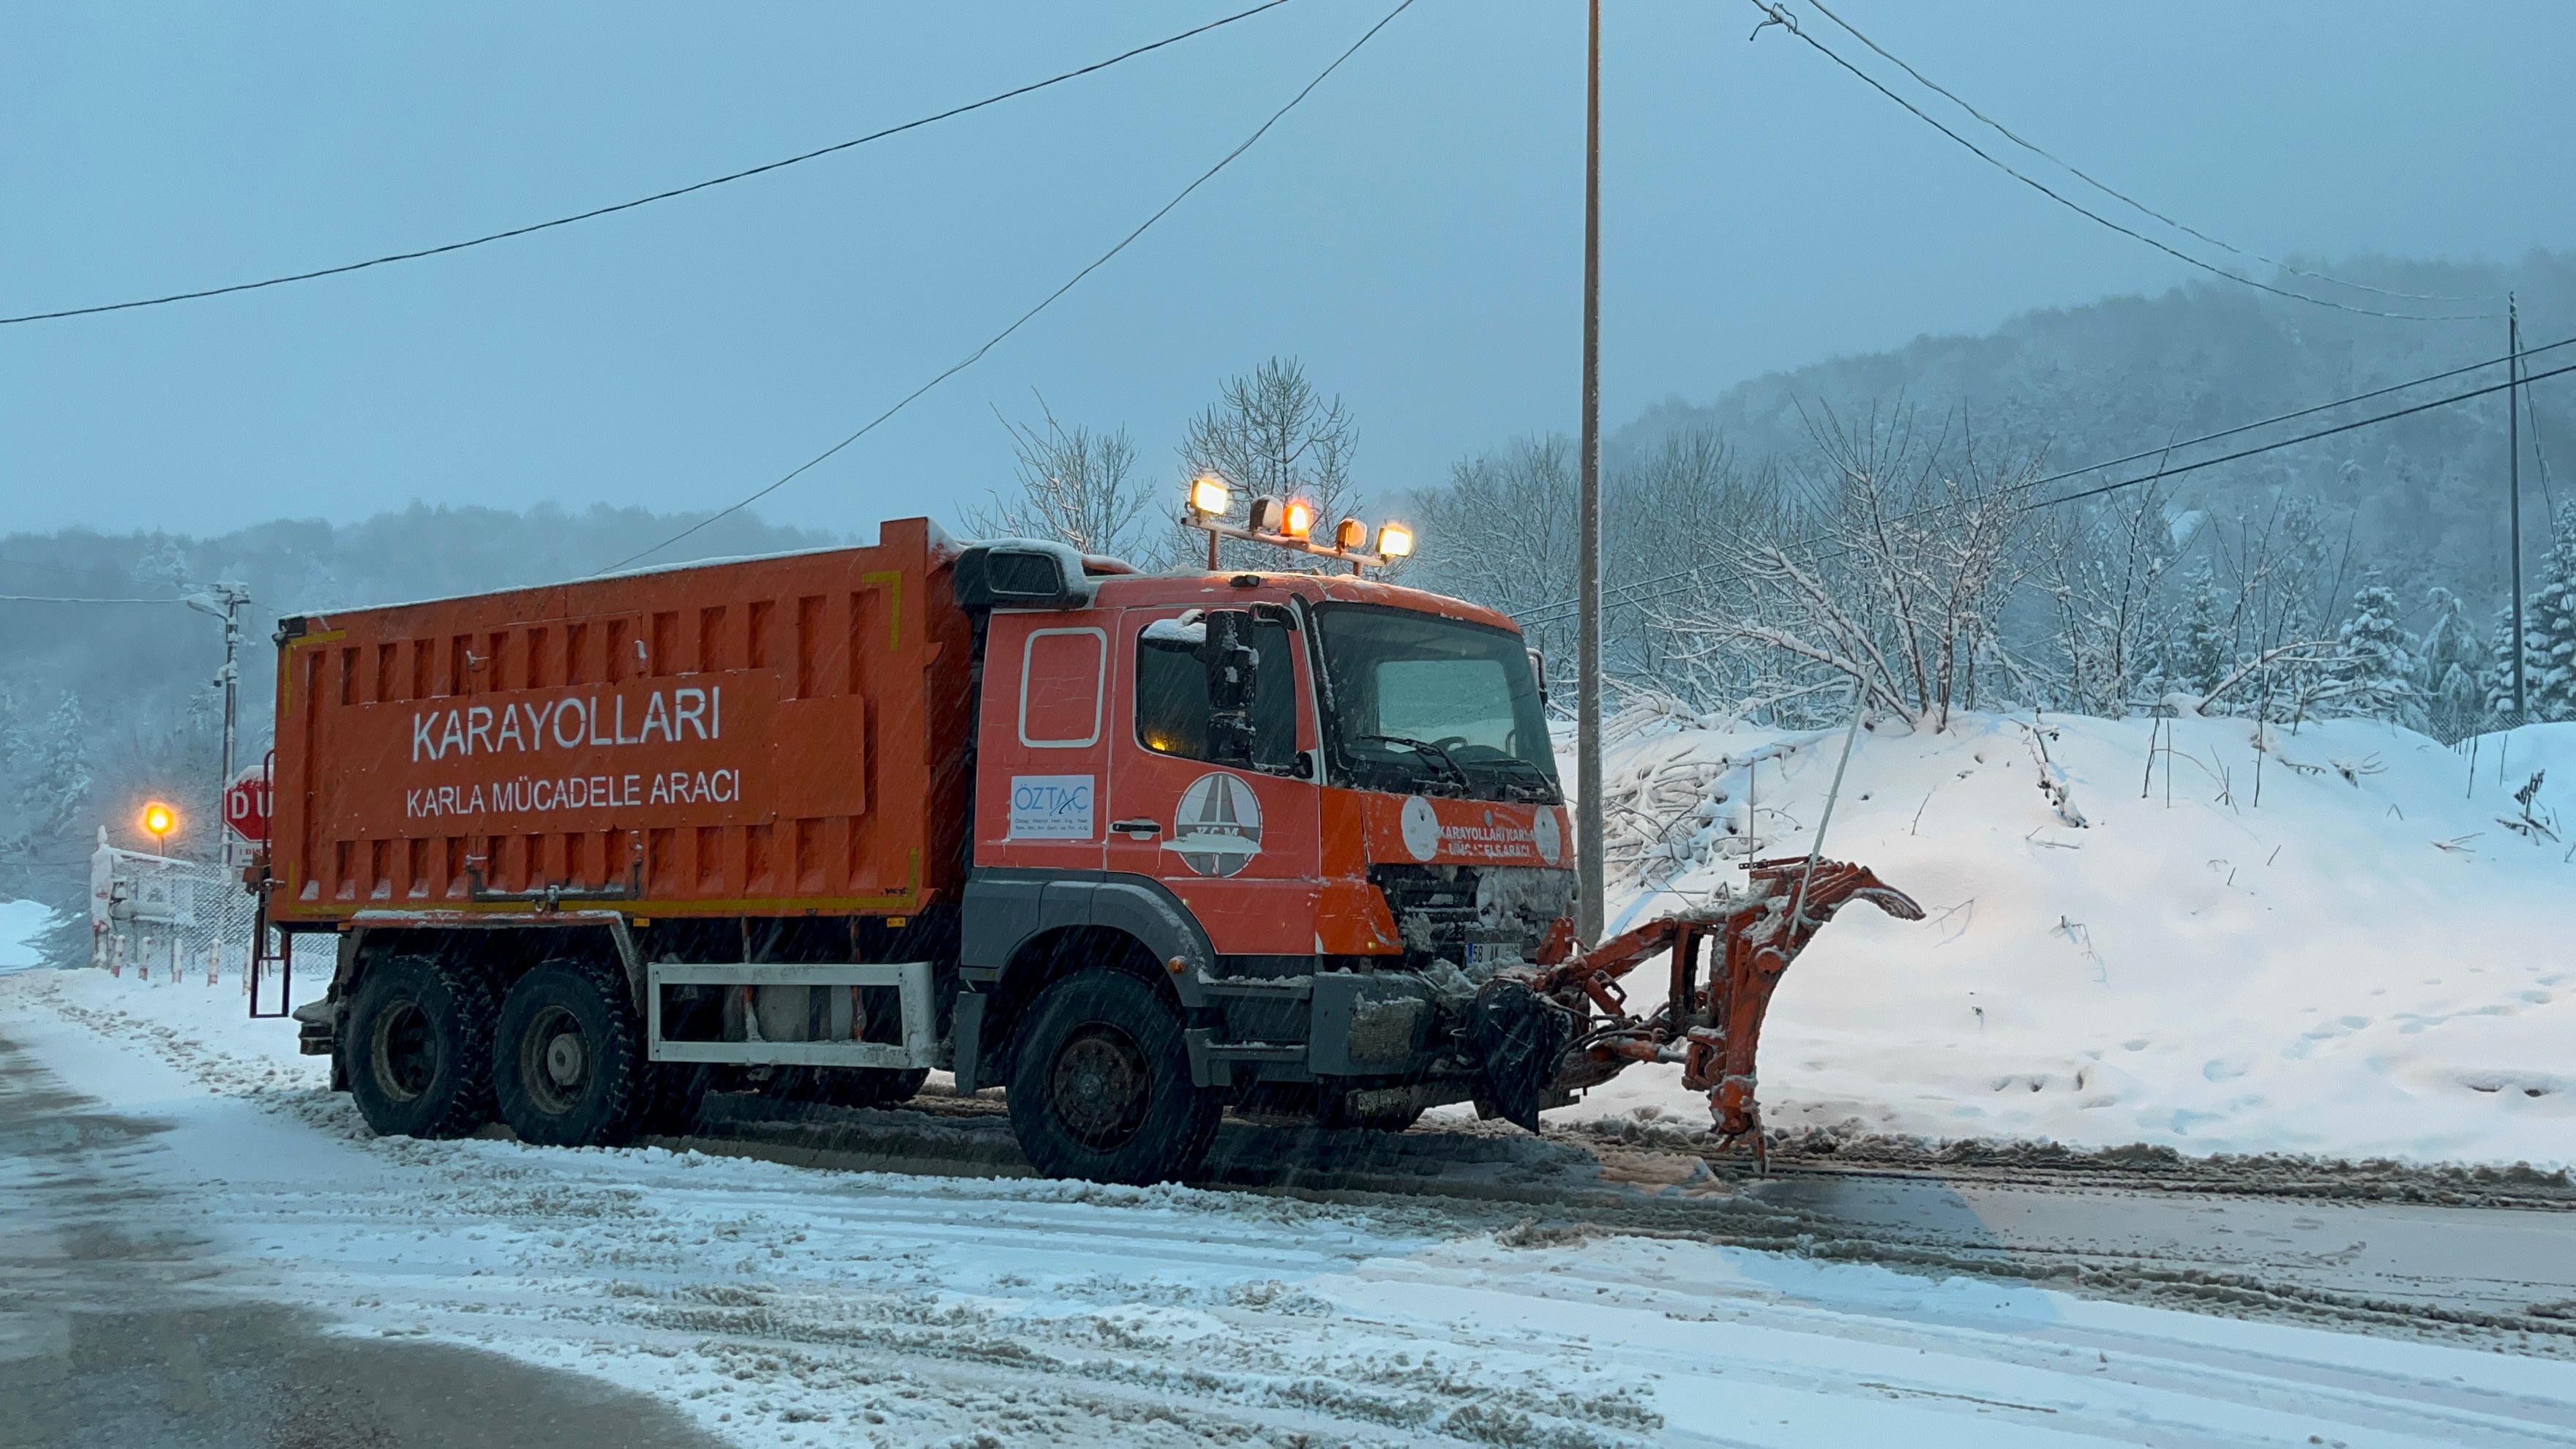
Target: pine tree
{"type": "Point", "coordinates": [2451, 668]}
{"type": "Point", "coordinates": [2549, 630]}
{"type": "Point", "coordinates": [2499, 671]}
{"type": "Point", "coordinates": [2375, 663]}
{"type": "Point", "coordinates": [2201, 652]}
{"type": "Point", "coordinates": [54, 794]}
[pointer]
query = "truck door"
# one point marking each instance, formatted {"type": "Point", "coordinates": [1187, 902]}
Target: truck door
{"type": "Point", "coordinates": [1237, 840]}
{"type": "Point", "coordinates": [1045, 740]}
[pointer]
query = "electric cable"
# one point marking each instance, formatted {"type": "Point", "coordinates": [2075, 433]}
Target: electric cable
{"type": "Point", "coordinates": [1558, 613]}
{"type": "Point", "coordinates": [48, 599]}
{"type": "Point", "coordinates": [2532, 413]}
{"type": "Point", "coordinates": [2108, 190]}
{"type": "Point", "coordinates": [677, 191]}
{"type": "Point", "coordinates": [2526, 381]}
{"type": "Point", "coordinates": [1554, 609]}
{"type": "Point", "coordinates": [1774, 14]}
{"type": "Point", "coordinates": [1023, 319]}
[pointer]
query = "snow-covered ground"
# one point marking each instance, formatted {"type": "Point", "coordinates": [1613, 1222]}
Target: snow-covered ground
{"type": "Point", "coordinates": [19, 923]}
{"type": "Point", "coordinates": [778, 1305]}
{"type": "Point", "coordinates": [2362, 959]}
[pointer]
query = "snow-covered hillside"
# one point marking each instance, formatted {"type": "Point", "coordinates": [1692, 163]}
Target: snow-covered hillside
{"type": "Point", "coordinates": [2364, 960]}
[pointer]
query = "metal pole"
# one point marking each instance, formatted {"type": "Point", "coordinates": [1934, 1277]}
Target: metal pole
{"type": "Point", "coordinates": [2513, 473]}
{"type": "Point", "coordinates": [1592, 908]}
{"type": "Point", "coordinates": [234, 598]}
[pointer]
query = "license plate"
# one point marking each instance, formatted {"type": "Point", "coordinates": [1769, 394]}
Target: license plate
{"type": "Point", "coordinates": [1492, 954]}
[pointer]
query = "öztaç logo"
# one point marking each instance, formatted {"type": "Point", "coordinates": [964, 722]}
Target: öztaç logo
{"type": "Point", "coordinates": [1217, 828]}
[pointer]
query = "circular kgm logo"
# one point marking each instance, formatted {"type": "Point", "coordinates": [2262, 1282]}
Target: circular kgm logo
{"type": "Point", "coordinates": [1217, 828]}
{"type": "Point", "coordinates": [1545, 835]}
{"type": "Point", "coordinates": [1421, 826]}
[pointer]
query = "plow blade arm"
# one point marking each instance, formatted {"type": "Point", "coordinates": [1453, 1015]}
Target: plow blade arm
{"type": "Point", "coordinates": [1711, 1019]}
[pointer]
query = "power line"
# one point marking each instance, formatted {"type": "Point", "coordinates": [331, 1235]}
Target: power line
{"type": "Point", "coordinates": [2532, 412]}
{"type": "Point", "coordinates": [1559, 613]}
{"type": "Point", "coordinates": [600, 211]}
{"type": "Point", "coordinates": [1023, 319]}
{"type": "Point", "coordinates": [1774, 14]}
{"type": "Point", "coordinates": [2527, 380]}
{"type": "Point", "coordinates": [47, 599]}
{"type": "Point", "coordinates": [2108, 190]}
{"type": "Point", "coordinates": [1556, 609]}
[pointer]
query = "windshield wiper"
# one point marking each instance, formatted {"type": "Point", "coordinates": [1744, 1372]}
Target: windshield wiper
{"type": "Point", "coordinates": [1540, 786]}
{"type": "Point", "coordinates": [1429, 751]}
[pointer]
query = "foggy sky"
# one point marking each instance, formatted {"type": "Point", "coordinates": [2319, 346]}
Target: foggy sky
{"type": "Point", "coordinates": [1412, 232]}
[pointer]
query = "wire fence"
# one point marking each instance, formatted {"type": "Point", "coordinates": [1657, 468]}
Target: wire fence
{"type": "Point", "coordinates": [170, 917]}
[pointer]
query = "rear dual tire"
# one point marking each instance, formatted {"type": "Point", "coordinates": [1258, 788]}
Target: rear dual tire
{"type": "Point", "coordinates": [568, 1060]}
{"type": "Point", "coordinates": [417, 1050]}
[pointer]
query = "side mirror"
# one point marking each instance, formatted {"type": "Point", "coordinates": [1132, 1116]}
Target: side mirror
{"type": "Point", "coordinates": [1233, 683]}
{"type": "Point", "coordinates": [1538, 667]}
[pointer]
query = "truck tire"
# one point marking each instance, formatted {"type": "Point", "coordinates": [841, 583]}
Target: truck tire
{"type": "Point", "coordinates": [849, 1086]}
{"type": "Point", "coordinates": [1100, 1084]}
{"type": "Point", "coordinates": [417, 1054]}
{"type": "Point", "coordinates": [568, 1066]}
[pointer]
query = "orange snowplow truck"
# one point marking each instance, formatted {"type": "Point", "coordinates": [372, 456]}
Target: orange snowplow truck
{"type": "Point", "coordinates": [1137, 848]}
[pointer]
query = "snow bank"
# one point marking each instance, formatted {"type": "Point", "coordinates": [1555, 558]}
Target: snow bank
{"type": "Point", "coordinates": [20, 921]}
{"type": "Point", "coordinates": [2368, 962]}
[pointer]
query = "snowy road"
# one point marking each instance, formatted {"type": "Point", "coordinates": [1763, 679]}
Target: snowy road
{"type": "Point", "coordinates": [768, 1303]}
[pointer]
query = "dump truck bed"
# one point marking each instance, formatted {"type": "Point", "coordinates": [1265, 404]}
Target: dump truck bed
{"type": "Point", "coordinates": [771, 736]}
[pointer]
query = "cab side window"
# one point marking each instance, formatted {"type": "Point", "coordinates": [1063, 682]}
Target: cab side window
{"type": "Point", "coordinates": [1172, 695]}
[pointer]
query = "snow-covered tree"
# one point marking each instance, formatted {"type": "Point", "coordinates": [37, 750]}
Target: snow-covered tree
{"type": "Point", "coordinates": [2202, 650]}
{"type": "Point", "coordinates": [2101, 567]}
{"type": "Point", "coordinates": [2549, 630]}
{"type": "Point", "coordinates": [2451, 662]}
{"type": "Point", "coordinates": [1894, 582]}
{"type": "Point", "coordinates": [2374, 665]}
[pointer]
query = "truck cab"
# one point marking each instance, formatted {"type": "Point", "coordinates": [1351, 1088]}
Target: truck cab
{"type": "Point", "coordinates": [1316, 818]}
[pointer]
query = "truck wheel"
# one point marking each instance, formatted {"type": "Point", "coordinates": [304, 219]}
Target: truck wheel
{"type": "Point", "coordinates": [1100, 1084]}
{"type": "Point", "coordinates": [418, 1051]}
{"type": "Point", "coordinates": [568, 1068]}
{"type": "Point", "coordinates": [849, 1086]}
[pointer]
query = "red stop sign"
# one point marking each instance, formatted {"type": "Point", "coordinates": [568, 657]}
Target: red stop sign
{"type": "Point", "coordinates": [246, 806]}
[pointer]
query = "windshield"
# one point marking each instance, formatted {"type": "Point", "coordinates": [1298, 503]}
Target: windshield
{"type": "Point", "coordinates": [1437, 706]}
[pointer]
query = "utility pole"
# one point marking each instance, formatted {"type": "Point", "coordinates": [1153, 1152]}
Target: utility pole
{"type": "Point", "coordinates": [1592, 883]}
{"type": "Point", "coordinates": [2513, 475]}
{"type": "Point", "coordinates": [231, 597]}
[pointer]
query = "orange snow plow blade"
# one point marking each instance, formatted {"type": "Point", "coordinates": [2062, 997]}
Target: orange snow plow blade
{"type": "Point", "coordinates": [1710, 1022]}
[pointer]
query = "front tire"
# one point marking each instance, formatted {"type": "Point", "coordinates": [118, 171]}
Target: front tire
{"type": "Point", "coordinates": [1100, 1084]}
{"type": "Point", "coordinates": [417, 1054]}
{"type": "Point", "coordinates": [568, 1068]}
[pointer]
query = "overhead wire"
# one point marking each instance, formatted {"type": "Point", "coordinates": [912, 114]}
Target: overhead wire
{"type": "Point", "coordinates": [629, 205]}
{"type": "Point", "coordinates": [1776, 14]}
{"type": "Point", "coordinates": [1023, 319]}
{"type": "Point", "coordinates": [1551, 614]}
{"type": "Point", "coordinates": [51, 599]}
{"type": "Point", "coordinates": [2527, 380]}
{"type": "Point", "coordinates": [1559, 608]}
{"type": "Point", "coordinates": [2108, 190]}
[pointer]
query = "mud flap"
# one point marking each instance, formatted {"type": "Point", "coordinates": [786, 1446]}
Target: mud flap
{"type": "Point", "coordinates": [1519, 1037]}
